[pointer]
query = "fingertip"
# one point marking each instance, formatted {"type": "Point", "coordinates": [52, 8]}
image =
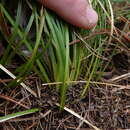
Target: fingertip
{"type": "Point", "coordinates": [91, 18]}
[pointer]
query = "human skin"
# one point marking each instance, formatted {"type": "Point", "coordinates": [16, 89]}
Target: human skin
{"type": "Point", "coordinates": [76, 12]}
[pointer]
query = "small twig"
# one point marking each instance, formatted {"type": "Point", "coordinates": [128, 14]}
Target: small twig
{"type": "Point", "coordinates": [102, 31]}
{"type": "Point", "coordinates": [91, 82]}
{"type": "Point", "coordinates": [123, 76]}
{"type": "Point", "coordinates": [31, 126]}
{"type": "Point", "coordinates": [92, 50]}
{"type": "Point", "coordinates": [12, 100]}
{"type": "Point", "coordinates": [78, 116]}
{"type": "Point", "coordinates": [90, 36]}
{"type": "Point", "coordinates": [14, 77]}
{"type": "Point", "coordinates": [5, 80]}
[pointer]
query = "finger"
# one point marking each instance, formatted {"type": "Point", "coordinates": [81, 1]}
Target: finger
{"type": "Point", "coordinates": [76, 12]}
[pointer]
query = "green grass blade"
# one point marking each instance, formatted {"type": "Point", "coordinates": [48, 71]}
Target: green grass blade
{"type": "Point", "coordinates": [18, 114]}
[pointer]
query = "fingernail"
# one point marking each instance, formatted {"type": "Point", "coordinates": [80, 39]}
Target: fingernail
{"type": "Point", "coordinates": [91, 18]}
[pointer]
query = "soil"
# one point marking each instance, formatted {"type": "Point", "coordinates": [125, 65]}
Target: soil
{"type": "Point", "coordinates": [105, 106]}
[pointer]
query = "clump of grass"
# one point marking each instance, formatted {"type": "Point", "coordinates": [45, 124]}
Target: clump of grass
{"type": "Point", "coordinates": [55, 62]}
{"type": "Point", "coordinates": [48, 53]}
{"type": "Point", "coordinates": [95, 48]}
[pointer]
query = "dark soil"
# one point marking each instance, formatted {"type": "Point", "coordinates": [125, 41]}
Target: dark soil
{"type": "Point", "coordinates": [106, 107]}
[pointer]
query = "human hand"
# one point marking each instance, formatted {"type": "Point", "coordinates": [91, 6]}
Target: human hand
{"type": "Point", "coordinates": [76, 12]}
